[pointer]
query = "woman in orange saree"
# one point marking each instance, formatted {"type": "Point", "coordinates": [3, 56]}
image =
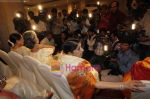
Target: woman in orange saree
{"type": "Point", "coordinates": [139, 71]}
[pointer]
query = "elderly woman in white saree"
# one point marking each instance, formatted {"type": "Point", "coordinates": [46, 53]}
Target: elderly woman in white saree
{"type": "Point", "coordinates": [41, 52]}
{"type": "Point", "coordinates": [31, 46]}
{"type": "Point", "coordinates": [16, 43]}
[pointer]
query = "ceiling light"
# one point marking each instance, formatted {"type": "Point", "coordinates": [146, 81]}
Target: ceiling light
{"type": "Point", "coordinates": [98, 3]}
{"type": "Point", "coordinates": [33, 27]}
{"type": "Point", "coordinates": [105, 47]}
{"type": "Point", "coordinates": [133, 27]}
{"type": "Point", "coordinates": [40, 7]}
{"type": "Point", "coordinates": [90, 15]}
{"type": "Point", "coordinates": [49, 16]}
{"type": "Point", "coordinates": [77, 15]}
{"type": "Point", "coordinates": [18, 15]}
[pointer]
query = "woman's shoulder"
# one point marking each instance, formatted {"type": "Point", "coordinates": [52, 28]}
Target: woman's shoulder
{"type": "Point", "coordinates": [72, 58]}
{"type": "Point", "coordinates": [41, 46]}
{"type": "Point", "coordinates": [46, 51]}
{"type": "Point", "coordinates": [23, 50]}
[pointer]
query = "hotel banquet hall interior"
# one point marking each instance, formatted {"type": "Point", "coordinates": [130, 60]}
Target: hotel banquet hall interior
{"type": "Point", "coordinates": [74, 49]}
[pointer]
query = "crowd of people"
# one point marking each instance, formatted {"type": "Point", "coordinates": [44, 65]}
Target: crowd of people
{"type": "Point", "coordinates": [97, 52]}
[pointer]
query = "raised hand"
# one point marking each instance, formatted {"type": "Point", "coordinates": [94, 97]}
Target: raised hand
{"type": "Point", "coordinates": [91, 42]}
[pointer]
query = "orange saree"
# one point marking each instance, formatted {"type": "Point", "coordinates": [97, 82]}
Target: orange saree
{"type": "Point", "coordinates": [140, 71]}
{"type": "Point", "coordinates": [82, 81]}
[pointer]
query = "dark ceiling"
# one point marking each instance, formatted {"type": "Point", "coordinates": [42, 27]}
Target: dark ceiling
{"type": "Point", "coordinates": [35, 2]}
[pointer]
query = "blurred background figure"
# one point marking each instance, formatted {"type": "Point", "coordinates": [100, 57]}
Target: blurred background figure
{"type": "Point", "coordinates": [55, 26]}
{"type": "Point", "coordinates": [64, 13]}
{"type": "Point", "coordinates": [145, 39]}
{"type": "Point", "coordinates": [105, 17]}
{"type": "Point", "coordinates": [48, 40]}
{"type": "Point", "coordinates": [31, 15]}
{"type": "Point", "coordinates": [116, 16]}
{"type": "Point", "coordinates": [21, 23]}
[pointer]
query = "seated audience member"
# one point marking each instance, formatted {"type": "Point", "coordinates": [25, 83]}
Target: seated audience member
{"type": "Point", "coordinates": [139, 71]}
{"type": "Point", "coordinates": [114, 48]}
{"type": "Point", "coordinates": [81, 76]}
{"type": "Point", "coordinates": [48, 40]}
{"type": "Point", "coordinates": [98, 57]}
{"type": "Point", "coordinates": [39, 51]}
{"type": "Point", "coordinates": [126, 57]}
{"type": "Point", "coordinates": [16, 43]}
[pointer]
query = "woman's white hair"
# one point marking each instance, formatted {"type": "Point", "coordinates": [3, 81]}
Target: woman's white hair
{"type": "Point", "coordinates": [33, 35]}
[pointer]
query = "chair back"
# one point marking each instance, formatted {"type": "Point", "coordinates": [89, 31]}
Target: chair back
{"type": "Point", "coordinates": [5, 70]}
{"type": "Point", "coordinates": [12, 66]}
{"type": "Point", "coordinates": [56, 80]}
{"type": "Point", "coordinates": [33, 64]}
{"type": "Point", "coordinates": [24, 69]}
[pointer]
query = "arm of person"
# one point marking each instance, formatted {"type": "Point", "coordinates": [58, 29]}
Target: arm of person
{"type": "Point", "coordinates": [46, 46]}
{"type": "Point", "coordinates": [91, 43]}
{"type": "Point", "coordinates": [132, 85]}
